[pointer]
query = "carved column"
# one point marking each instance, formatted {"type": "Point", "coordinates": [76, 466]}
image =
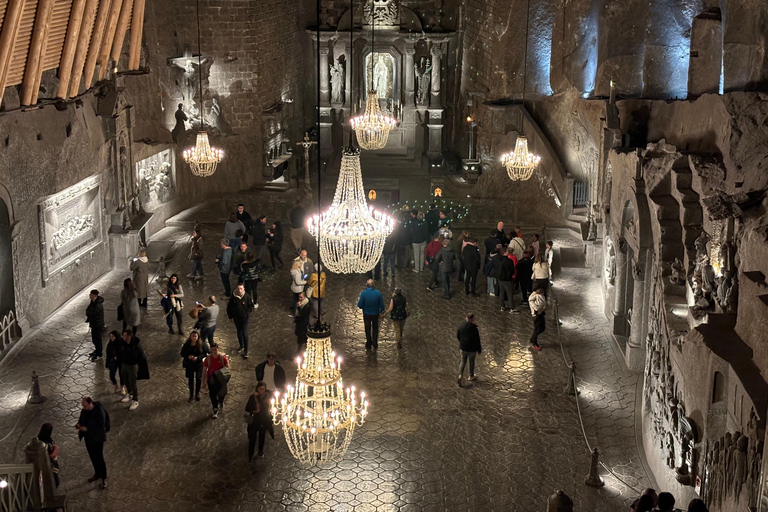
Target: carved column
{"type": "Point", "coordinates": [21, 316]}
{"type": "Point", "coordinates": [437, 53]}
{"type": "Point", "coordinates": [325, 85]}
{"type": "Point", "coordinates": [634, 353]}
{"type": "Point", "coordinates": [619, 299]}
{"type": "Point", "coordinates": [410, 51]}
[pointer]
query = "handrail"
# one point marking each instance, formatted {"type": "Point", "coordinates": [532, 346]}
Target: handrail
{"type": "Point", "coordinates": [575, 387]}
{"type": "Point", "coordinates": [7, 329]}
{"type": "Point", "coordinates": [21, 492]}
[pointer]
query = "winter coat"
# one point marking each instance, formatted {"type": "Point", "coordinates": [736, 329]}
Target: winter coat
{"type": "Point", "coordinates": [225, 261]}
{"type": "Point", "coordinates": [307, 267]}
{"type": "Point", "coordinates": [131, 309]}
{"type": "Point", "coordinates": [245, 218]}
{"type": "Point", "coordinates": [447, 259]}
{"type": "Point", "coordinates": [279, 376]}
{"type": "Point", "coordinates": [525, 270]}
{"type": "Point", "coordinates": [297, 280]}
{"type": "Point", "coordinates": [371, 302]}
{"type": "Point", "coordinates": [490, 246]}
{"type": "Point", "coordinates": [471, 256]}
{"type": "Point", "coordinates": [96, 422]}
{"type": "Point", "coordinates": [507, 271]}
{"type": "Point", "coordinates": [431, 251]}
{"type": "Point", "coordinates": [391, 242]}
{"type": "Point", "coordinates": [140, 269]}
{"type": "Point", "coordinates": [433, 219]}
{"type": "Point", "coordinates": [501, 237]}
{"type": "Point", "coordinates": [239, 309]}
{"type": "Point", "coordinates": [189, 350]}
{"type": "Point", "coordinates": [94, 313]}
{"type": "Point", "coordinates": [259, 233]}
{"type": "Point", "coordinates": [419, 231]}
{"type": "Point", "coordinates": [242, 257]}
{"type": "Point", "coordinates": [133, 353]}
{"type": "Point", "coordinates": [302, 320]}
{"type": "Point", "coordinates": [469, 337]}
{"type": "Point", "coordinates": [196, 251]}
{"type": "Point", "coordinates": [317, 285]}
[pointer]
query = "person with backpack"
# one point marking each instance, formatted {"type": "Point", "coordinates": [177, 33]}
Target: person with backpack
{"type": "Point", "coordinates": [538, 305]}
{"type": "Point", "coordinates": [196, 255]}
{"type": "Point", "coordinates": [94, 317]}
{"type": "Point", "coordinates": [398, 310]}
{"type": "Point", "coordinates": [216, 376]}
{"type": "Point", "coordinates": [133, 367]}
{"type": "Point", "coordinates": [93, 426]}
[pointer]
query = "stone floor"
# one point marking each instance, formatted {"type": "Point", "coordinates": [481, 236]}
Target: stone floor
{"type": "Point", "coordinates": [505, 443]}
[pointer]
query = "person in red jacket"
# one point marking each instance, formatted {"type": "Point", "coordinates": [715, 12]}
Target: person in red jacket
{"type": "Point", "coordinates": [430, 252]}
{"type": "Point", "coordinates": [217, 388]}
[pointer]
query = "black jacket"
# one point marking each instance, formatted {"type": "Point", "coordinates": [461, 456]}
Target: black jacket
{"type": "Point", "coordinates": [245, 218]}
{"type": "Point", "coordinates": [506, 269]}
{"type": "Point", "coordinates": [132, 353]}
{"type": "Point", "coordinates": [297, 216]}
{"type": "Point", "coordinates": [302, 320]}
{"type": "Point", "coordinates": [433, 219]}
{"type": "Point", "coordinates": [239, 308]}
{"type": "Point", "coordinates": [502, 237]}
{"type": "Point", "coordinates": [447, 259]}
{"type": "Point", "coordinates": [525, 270]}
{"type": "Point", "coordinates": [188, 350]}
{"type": "Point", "coordinates": [114, 349]}
{"type": "Point", "coordinates": [390, 244]}
{"type": "Point", "coordinates": [471, 256]}
{"type": "Point", "coordinates": [469, 337]}
{"type": "Point", "coordinates": [96, 421]}
{"type": "Point", "coordinates": [490, 245]}
{"type": "Point", "coordinates": [279, 374]}
{"type": "Point", "coordinates": [259, 233]}
{"type": "Point", "coordinates": [94, 313]}
{"type": "Point", "coordinates": [419, 231]}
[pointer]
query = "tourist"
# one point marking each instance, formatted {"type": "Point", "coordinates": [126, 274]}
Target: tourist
{"type": "Point", "coordinates": [224, 262]}
{"type": "Point", "coordinates": [113, 362]}
{"type": "Point", "coordinates": [260, 420]}
{"type": "Point", "coordinates": [458, 246]}
{"type": "Point", "coordinates": [535, 244]}
{"type": "Point", "coordinates": [216, 375]}
{"type": "Point", "coordinates": [234, 242]}
{"type": "Point", "coordinates": [316, 292]}
{"type": "Point", "coordinates": [401, 240]}
{"type": "Point", "coordinates": [525, 276]}
{"type": "Point", "coordinates": [549, 254]}
{"type": "Point", "coordinates": [242, 257]}
{"type": "Point", "coordinates": [232, 226]}
{"type": "Point", "coordinates": [301, 319]}
{"type": "Point", "coordinates": [538, 305]}
{"type": "Point", "coordinates": [419, 238]}
{"type": "Point", "coordinates": [398, 312]}
{"type": "Point", "coordinates": [666, 502]}
{"type": "Point", "coordinates": [298, 281]}
{"type": "Point", "coordinates": [490, 270]}
{"type": "Point", "coordinates": [306, 264]}
{"type": "Point", "coordinates": [196, 255]}
{"type": "Point", "coordinates": [44, 436]}
{"type": "Point", "coordinates": [372, 304]}
{"type": "Point", "coordinates": [433, 219]}
{"type": "Point", "coordinates": [244, 217]}
{"type": "Point", "coordinates": [133, 367]}
{"type": "Point", "coordinates": [443, 221]}
{"type": "Point", "coordinates": [130, 305]}
{"type": "Point", "coordinates": [469, 344]}
{"type": "Point", "coordinates": [506, 277]}
{"type": "Point", "coordinates": [490, 244]}
{"type": "Point", "coordinates": [275, 244]}
{"type": "Point", "coordinates": [390, 250]}
{"type": "Point", "coordinates": [239, 312]}
{"type": "Point", "coordinates": [447, 261]}
{"type": "Point", "coordinates": [298, 218]}
{"type": "Point", "coordinates": [251, 277]}
{"type": "Point", "coordinates": [94, 317]}
{"type": "Point", "coordinates": [499, 235]}
{"type": "Point", "coordinates": [471, 256]}
{"type": "Point", "coordinates": [540, 274]}
{"type": "Point", "coordinates": [271, 373]}
{"type": "Point", "coordinates": [207, 318]}
{"type": "Point", "coordinates": [174, 304]}
{"type": "Point", "coordinates": [192, 354]}
{"type": "Point", "coordinates": [696, 505]}
{"type": "Point", "coordinates": [259, 234]}
{"type": "Point", "coordinates": [140, 269]}
{"type": "Point", "coordinates": [430, 252]}
{"type": "Point", "coordinates": [93, 426]}
{"type": "Point", "coordinates": [517, 245]}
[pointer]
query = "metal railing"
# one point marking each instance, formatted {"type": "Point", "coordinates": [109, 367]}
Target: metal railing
{"type": "Point", "coordinates": [22, 491]}
{"type": "Point", "coordinates": [8, 330]}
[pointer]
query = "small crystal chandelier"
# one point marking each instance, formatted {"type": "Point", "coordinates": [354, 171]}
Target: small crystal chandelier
{"type": "Point", "coordinates": [202, 159]}
{"type": "Point", "coordinates": [520, 163]}
{"type": "Point", "coordinates": [372, 128]}
{"type": "Point", "coordinates": [350, 234]}
{"type": "Point", "coordinates": [319, 415]}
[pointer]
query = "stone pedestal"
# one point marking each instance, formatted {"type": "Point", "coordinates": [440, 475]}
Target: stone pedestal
{"type": "Point", "coordinates": [121, 247]}
{"type": "Point", "coordinates": [593, 251]}
{"type": "Point", "coordinates": [325, 86]}
{"type": "Point", "coordinates": [435, 127]}
{"type": "Point", "coordinates": [437, 53]}
{"type": "Point", "coordinates": [408, 93]}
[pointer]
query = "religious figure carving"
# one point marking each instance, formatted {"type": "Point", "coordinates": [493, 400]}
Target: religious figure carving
{"type": "Point", "coordinates": [381, 77]}
{"type": "Point", "coordinates": [701, 250]}
{"type": "Point", "coordinates": [337, 82]}
{"type": "Point", "coordinates": [189, 81]}
{"type": "Point", "coordinates": [217, 120]}
{"type": "Point", "coordinates": [678, 276]}
{"type": "Point", "coordinates": [180, 130]}
{"type": "Point", "coordinates": [610, 268]}
{"type": "Point", "coordinates": [423, 74]}
{"type": "Point", "coordinates": [732, 295]}
{"type": "Point", "coordinates": [385, 13]}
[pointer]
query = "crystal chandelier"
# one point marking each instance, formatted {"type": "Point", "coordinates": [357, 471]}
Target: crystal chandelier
{"type": "Point", "coordinates": [319, 415]}
{"type": "Point", "coordinates": [350, 234]}
{"type": "Point", "coordinates": [520, 163]}
{"type": "Point", "coordinates": [372, 128]}
{"type": "Point", "coordinates": [202, 159]}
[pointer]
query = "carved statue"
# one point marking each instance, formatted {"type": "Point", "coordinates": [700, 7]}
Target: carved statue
{"type": "Point", "coordinates": [740, 464]}
{"type": "Point", "coordinates": [678, 272]}
{"type": "Point", "coordinates": [217, 121]}
{"type": "Point", "coordinates": [708, 279]}
{"type": "Point", "coordinates": [189, 81]}
{"type": "Point", "coordinates": [592, 233]}
{"type": "Point", "coordinates": [423, 74]}
{"type": "Point", "coordinates": [384, 12]}
{"type": "Point", "coordinates": [701, 245]}
{"type": "Point", "coordinates": [610, 269]}
{"type": "Point", "coordinates": [337, 82]}
{"type": "Point", "coordinates": [728, 257]}
{"type": "Point", "coordinates": [381, 77]}
{"type": "Point", "coordinates": [732, 296]}
{"type": "Point", "coordinates": [180, 130]}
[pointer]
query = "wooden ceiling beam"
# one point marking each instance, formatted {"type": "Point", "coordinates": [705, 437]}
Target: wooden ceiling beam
{"type": "Point", "coordinates": [33, 69]}
{"type": "Point", "coordinates": [8, 35]}
{"type": "Point", "coordinates": [122, 28]}
{"type": "Point", "coordinates": [137, 28]}
{"type": "Point", "coordinates": [70, 47]}
{"type": "Point", "coordinates": [96, 37]}
{"type": "Point", "coordinates": [83, 38]}
{"type": "Point", "coordinates": [109, 36]}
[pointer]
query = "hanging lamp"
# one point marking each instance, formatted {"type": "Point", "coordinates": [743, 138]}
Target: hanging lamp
{"type": "Point", "coordinates": [521, 163]}
{"type": "Point", "coordinates": [319, 415]}
{"type": "Point", "coordinates": [372, 127]}
{"type": "Point", "coordinates": [202, 158]}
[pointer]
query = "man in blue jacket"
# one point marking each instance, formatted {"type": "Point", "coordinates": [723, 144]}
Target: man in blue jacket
{"type": "Point", "coordinates": [372, 304]}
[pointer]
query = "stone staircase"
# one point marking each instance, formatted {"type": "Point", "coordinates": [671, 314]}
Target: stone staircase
{"type": "Point", "coordinates": [578, 222]}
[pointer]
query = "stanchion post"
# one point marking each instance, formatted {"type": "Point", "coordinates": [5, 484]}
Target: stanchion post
{"type": "Point", "coordinates": [36, 397]}
{"type": "Point", "coordinates": [571, 388]}
{"type": "Point", "coordinates": [559, 502]}
{"type": "Point", "coordinates": [594, 479]}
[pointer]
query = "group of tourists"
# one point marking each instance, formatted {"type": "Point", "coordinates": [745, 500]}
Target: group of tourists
{"type": "Point", "coordinates": [649, 501]}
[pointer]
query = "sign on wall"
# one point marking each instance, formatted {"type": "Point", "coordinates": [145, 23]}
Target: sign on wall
{"type": "Point", "coordinates": [70, 225]}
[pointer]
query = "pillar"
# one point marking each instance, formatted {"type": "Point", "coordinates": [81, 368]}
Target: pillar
{"type": "Point", "coordinates": [435, 127]}
{"type": "Point", "coordinates": [619, 300]}
{"type": "Point", "coordinates": [21, 318]}
{"type": "Point", "coordinates": [408, 99]}
{"type": "Point", "coordinates": [635, 351]}
{"type": "Point", "coordinates": [437, 53]}
{"type": "Point", "coordinates": [325, 85]}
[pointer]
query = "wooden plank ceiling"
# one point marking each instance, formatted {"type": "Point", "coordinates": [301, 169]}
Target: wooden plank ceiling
{"type": "Point", "coordinates": [74, 36]}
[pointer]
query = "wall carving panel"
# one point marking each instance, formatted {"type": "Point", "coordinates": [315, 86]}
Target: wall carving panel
{"type": "Point", "coordinates": [70, 225]}
{"type": "Point", "coordinates": [156, 180]}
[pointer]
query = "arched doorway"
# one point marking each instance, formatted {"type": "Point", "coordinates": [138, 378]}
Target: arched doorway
{"type": "Point", "coordinates": [7, 293]}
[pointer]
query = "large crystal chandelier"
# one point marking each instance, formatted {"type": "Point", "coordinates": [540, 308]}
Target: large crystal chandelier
{"type": "Point", "coordinates": [372, 128]}
{"type": "Point", "coordinates": [319, 414]}
{"type": "Point", "coordinates": [350, 234]}
{"type": "Point", "coordinates": [520, 163]}
{"type": "Point", "coordinates": [202, 159]}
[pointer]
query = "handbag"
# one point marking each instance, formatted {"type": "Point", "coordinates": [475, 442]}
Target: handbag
{"type": "Point", "coordinates": [120, 314]}
{"type": "Point", "coordinates": [223, 375]}
{"type": "Point", "coordinates": [248, 417]}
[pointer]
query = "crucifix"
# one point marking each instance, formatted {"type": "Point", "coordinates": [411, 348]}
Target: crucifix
{"type": "Point", "coordinates": [188, 86]}
{"type": "Point", "coordinates": [307, 144]}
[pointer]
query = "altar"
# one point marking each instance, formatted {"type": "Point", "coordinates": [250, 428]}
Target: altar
{"type": "Point", "coordinates": [404, 68]}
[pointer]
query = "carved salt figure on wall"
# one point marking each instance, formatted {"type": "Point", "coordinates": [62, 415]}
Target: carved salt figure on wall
{"type": "Point", "coordinates": [217, 120]}
{"type": "Point", "coordinates": [385, 13]}
{"type": "Point", "coordinates": [180, 130]}
{"type": "Point", "coordinates": [381, 78]}
{"type": "Point", "coordinates": [337, 82]}
{"type": "Point", "coordinates": [423, 74]}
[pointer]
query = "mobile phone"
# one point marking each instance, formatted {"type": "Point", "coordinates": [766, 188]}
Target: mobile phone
{"type": "Point", "coordinates": [134, 259]}
{"type": "Point", "coordinates": [197, 302]}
